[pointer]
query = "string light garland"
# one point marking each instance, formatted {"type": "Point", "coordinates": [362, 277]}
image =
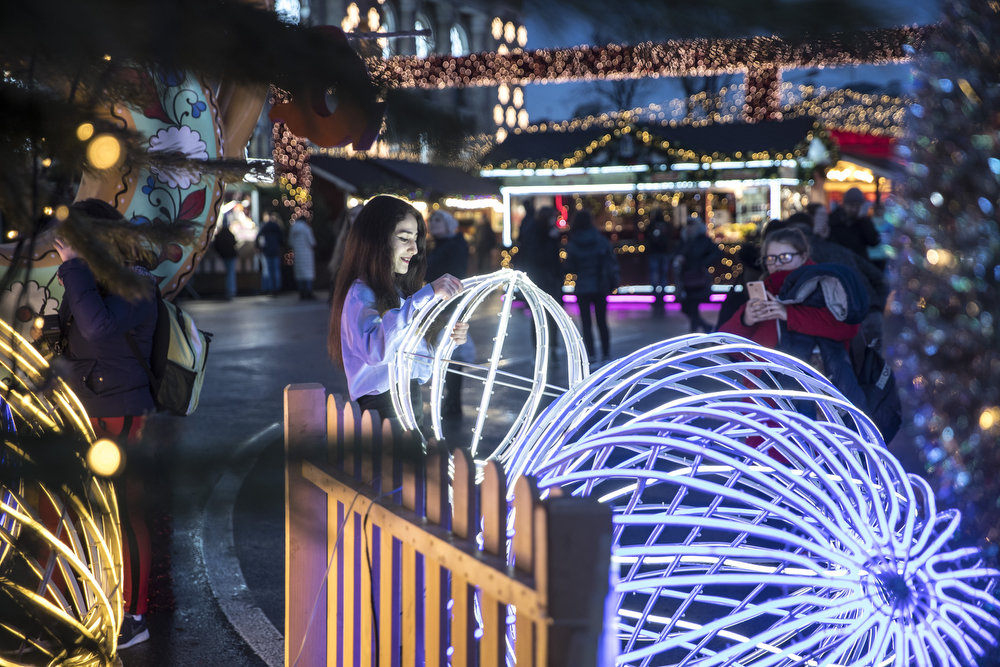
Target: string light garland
{"type": "Point", "coordinates": [763, 58]}
{"type": "Point", "coordinates": [292, 172]}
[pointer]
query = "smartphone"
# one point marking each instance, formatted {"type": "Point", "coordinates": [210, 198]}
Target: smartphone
{"type": "Point", "coordinates": [755, 290]}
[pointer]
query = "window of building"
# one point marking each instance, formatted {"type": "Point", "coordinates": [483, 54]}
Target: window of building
{"type": "Point", "coordinates": [388, 25]}
{"type": "Point", "coordinates": [459, 40]}
{"type": "Point", "coordinates": [424, 43]}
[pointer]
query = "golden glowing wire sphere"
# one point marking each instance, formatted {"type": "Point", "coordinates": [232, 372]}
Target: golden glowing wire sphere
{"type": "Point", "coordinates": [487, 367]}
{"type": "Point", "coordinates": [60, 550]}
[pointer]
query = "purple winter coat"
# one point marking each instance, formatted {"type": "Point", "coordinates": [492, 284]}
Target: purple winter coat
{"type": "Point", "coordinates": [98, 363]}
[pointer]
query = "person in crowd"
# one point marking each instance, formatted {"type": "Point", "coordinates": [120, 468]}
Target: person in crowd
{"type": "Point", "coordinates": [821, 219]}
{"type": "Point", "coordinates": [485, 243]}
{"type": "Point", "coordinates": [378, 291]}
{"type": "Point", "coordinates": [659, 252]}
{"type": "Point", "coordinates": [695, 256]}
{"type": "Point", "coordinates": [538, 246]}
{"type": "Point", "coordinates": [590, 256]}
{"type": "Point", "coordinates": [450, 255]}
{"type": "Point", "coordinates": [271, 241]}
{"type": "Point", "coordinates": [225, 245]}
{"type": "Point", "coordinates": [99, 365]}
{"type": "Point", "coordinates": [303, 243]}
{"type": "Point", "coordinates": [850, 228]}
{"type": "Point", "coordinates": [798, 323]}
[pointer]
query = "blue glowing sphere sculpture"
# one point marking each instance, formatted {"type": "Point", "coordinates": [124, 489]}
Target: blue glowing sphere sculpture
{"type": "Point", "coordinates": [758, 517]}
{"type": "Point", "coordinates": [487, 367]}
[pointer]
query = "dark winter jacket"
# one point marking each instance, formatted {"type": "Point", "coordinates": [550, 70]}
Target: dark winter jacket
{"type": "Point", "coordinates": [270, 239]}
{"type": "Point", "coordinates": [587, 252]}
{"type": "Point", "coordinates": [823, 251]}
{"type": "Point", "coordinates": [855, 233]}
{"type": "Point", "coordinates": [225, 243]}
{"type": "Point", "coordinates": [98, 363]}
{"type": "Point", "coordinates": [837, 287]}
{"type": "Point", "coordinates": [449, 255]}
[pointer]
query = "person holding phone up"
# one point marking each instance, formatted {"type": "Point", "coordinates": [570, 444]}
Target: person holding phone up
{"type": "Point", "coordinates": [797, 315]}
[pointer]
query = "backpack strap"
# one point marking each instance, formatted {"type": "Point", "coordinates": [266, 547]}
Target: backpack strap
{"type": "Point", "coordinates": [138, 355]}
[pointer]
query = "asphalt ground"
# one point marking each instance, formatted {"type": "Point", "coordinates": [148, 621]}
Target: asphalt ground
{"type": "Point", "coordinates": [220, 598]}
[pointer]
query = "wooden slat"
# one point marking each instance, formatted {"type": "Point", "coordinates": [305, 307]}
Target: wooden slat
{"type": "Point", "coordinates": [385, 595]}
{"type": "Point", "coordinates": [335, 598]}
{"type": "Point", "coordinates": [365, 647]}
{"type": "Point", "coordinates": [461, 621]}
{"type": "Point", "coordinates": [307, 527]}
{"type": "Point", "coordinates": [408, 594]}
{"type": "Point", "coordinates": [349, 601]}
{"type": "Point", "coordinates": [525, 502]}
{"type": "Point", "coordinates": [493, 508]}
{"type": "Point", "coordinates": [464, 497]}
{"type": "Point", "coordinates": [434, 615]}
{"type": "Point", "coordinates": [437, 489]}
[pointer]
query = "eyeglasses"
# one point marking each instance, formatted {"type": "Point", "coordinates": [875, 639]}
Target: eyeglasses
{"type": "Point", "coordinates": [783, 258]}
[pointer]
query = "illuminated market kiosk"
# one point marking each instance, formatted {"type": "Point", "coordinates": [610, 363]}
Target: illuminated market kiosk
{"type": "Point", "coordinates": [733, 176]}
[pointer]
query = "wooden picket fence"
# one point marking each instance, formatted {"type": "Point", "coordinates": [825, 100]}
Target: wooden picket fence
{"type": "Point", "coordinates": [382, 565]}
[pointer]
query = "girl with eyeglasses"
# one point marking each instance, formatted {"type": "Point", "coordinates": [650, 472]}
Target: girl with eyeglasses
{"type": "Point", "coordinates": [798, 320]}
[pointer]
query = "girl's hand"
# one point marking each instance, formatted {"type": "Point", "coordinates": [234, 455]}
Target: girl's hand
{"type": "Point", "coordinates": [460, 333]}
{"type": "Point", "coordinates": [755, 312]}
{"type": "Point", "coordinates": [65, 251]}
{"type": "Point", "coordinates": [446, 286]}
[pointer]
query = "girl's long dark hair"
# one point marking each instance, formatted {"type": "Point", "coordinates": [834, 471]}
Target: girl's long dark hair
{"type": "Point", "coordinates": [367, 258]}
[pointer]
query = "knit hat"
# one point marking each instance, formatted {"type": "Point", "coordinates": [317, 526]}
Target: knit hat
{"type": "Point", "coordinates": [854, 196]}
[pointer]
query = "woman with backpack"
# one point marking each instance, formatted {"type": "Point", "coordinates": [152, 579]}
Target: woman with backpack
{"type": "Point", "coordinates": [114, 387]}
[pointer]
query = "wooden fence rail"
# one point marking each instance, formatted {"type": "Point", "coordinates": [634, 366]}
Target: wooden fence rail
{"type": "Point", "coordinates": [382, 564]}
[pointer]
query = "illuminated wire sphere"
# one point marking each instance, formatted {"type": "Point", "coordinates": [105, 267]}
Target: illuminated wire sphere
{"type": "Point", "coordinates": [748, 533]}
{"type": "Point", "coordinates": [60, 552]}
{"type": "Point", "coordinates": [488, 367]}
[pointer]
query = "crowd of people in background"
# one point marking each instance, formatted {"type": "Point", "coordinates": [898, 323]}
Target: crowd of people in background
{"type": "Point", "coordinates": [847, 243]}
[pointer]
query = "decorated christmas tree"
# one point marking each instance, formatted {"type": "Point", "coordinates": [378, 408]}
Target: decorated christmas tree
{"type": "Point", "coordinates": [944, 328]}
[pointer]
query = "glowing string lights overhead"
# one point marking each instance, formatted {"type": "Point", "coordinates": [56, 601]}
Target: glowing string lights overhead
{"type": "Point", "coordinates": [762, 58]}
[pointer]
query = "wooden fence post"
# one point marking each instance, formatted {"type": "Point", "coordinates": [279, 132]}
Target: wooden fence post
{"type": "Point", "coordinates": [578, 534]}
{"type": "Point", "coordinates": [306, 528]}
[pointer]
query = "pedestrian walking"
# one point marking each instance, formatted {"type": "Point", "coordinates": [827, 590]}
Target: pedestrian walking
{"type": "Point", "coordinates": [592, 259]}
{"type": "Point", "coordinates": [303, 243]}
{"type": "Point", "coordinates": [450, 255]}
{"type": "Point", "coordinates": [225, 246]}
{"type": "Point", "coordinates": [271, 242]}
{"type": "Point", "coordinates": [538, 246]}
{"type": "Point", "coordinates": [378, 291]}
{"type": "Point", "coordinates": [659, 251]}
{"type": "Point", "coordinates": [485, 242]}
{"type": "Point", "coordinates": [695, 256]}
{"type": "Point", "coordinates": [850, 228]}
